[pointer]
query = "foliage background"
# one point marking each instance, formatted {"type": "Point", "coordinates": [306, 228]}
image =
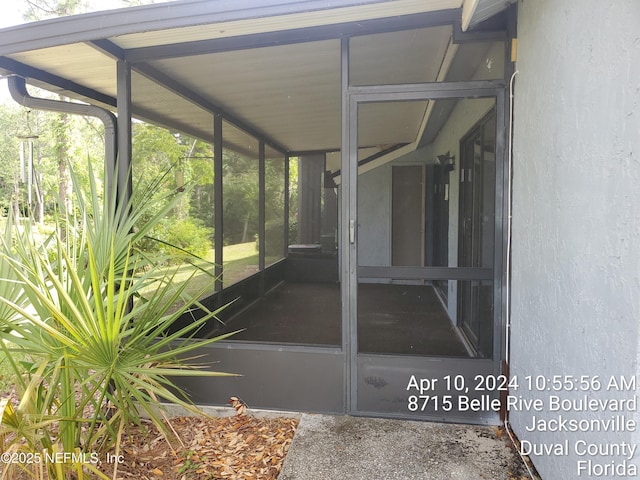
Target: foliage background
{"type": "Point", "coordinates": [62, 140]}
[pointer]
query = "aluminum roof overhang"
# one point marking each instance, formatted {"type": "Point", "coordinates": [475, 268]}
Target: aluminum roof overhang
{"type": "Point", "coordinates": [271, 67]}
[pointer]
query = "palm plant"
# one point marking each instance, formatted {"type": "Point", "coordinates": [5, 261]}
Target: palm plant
{"type": "Point", "coordinates": [94, 312]}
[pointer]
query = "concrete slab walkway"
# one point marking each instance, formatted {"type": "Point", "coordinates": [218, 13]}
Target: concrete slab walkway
{"type": "Point", "coordinates": [353, 448]}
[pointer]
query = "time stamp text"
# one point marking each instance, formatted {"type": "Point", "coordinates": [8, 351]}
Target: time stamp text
{"type": "Point", "coordinates": [576, 410]}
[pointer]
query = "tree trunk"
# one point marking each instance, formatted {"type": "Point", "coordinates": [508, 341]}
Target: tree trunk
{"type": "Point", "coordinates": [246, 228]}
{"type": "Point", "coordinates": [62, 184]}
{"type": "Point", "coordinates": [61, 142]}
{"type": "Point", "coordinates": [16, 201]}
{"type": "Point", "coordinates": [38, 209]}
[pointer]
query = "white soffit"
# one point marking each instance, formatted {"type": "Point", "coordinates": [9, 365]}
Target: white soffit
{"type": "Point", "coordinates": [155, 102]}
{"type": "Point", "coordinates": [410, 56]}
{"type": "Point", "coordinates": [290, 92]}
{"type": "Point", "coordinates": [385, 124]}
{"type": "Point", "coordinates": [283, 22]}
{"type": "Point", "coordinates": [468, 10]}
{"type": "Point", "coordinates": [78, 62]}
{"type": "Point", "coordinates": [476, 11]}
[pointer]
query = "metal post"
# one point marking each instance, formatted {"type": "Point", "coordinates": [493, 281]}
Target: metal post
{"type": "Point", "coordinates": [124, 131]}
{"type": "Point", "coordinates": [218, 200]}
{"type": "Point", "coordinates": [287, 159]}
{"type": "Point", "coordinates": [30, 177]}
{"type": "Point", "coordinates": [348, 285]}
{"type": "Point", "coordinates": [261, 206]}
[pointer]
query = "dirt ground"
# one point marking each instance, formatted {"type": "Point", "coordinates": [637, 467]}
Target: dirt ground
{"type": "Point", "coordinates": [238, 447]}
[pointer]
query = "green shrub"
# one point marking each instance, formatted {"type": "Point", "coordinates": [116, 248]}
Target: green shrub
{"type": "Point", "coordinates": [274, 237]}
{"type": "Point", "coordinates": [91, 345]}
{"type": "Point", "coordinates": [188, 235]}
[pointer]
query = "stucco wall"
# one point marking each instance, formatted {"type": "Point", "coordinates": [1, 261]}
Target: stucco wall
{"type": "Point", "coordinates": [576, 217]}
{"type": "Point", "coordinates": [374, 217]}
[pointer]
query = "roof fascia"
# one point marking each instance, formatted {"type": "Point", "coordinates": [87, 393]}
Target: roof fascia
{"type": "Point", "coordinates": [295, 35]}
{"type": "Point", "coordinates": [105, 24]}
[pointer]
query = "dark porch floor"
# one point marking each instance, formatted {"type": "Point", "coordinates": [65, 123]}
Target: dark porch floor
{"type": "Point", "coordinates": [393, 319]}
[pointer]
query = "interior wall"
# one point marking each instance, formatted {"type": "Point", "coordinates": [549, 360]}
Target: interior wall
{"type": "Point", "coordinates": [575, 299]}
{"type": "Point", "coordinates": [374, 191]}
{"type": "Point", "coordinates": [374, 217]}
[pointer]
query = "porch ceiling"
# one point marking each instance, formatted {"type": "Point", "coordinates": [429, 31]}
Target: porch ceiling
{"type": "Point", "coordinates": [270, 66]}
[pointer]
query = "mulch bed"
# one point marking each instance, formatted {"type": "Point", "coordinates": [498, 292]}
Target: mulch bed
{"type": "Point", "coordinates": [236, 448]}
{"type": "Point", "coordinates": [239, 447]}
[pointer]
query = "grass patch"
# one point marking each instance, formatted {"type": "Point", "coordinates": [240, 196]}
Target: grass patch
{"type": "Point", "coordinates": [239, 262]}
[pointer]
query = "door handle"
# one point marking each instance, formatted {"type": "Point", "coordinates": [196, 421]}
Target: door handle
{"type": "Point", "coordinates": [352, 231]}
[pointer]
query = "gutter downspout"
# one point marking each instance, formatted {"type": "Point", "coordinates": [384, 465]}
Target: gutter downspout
{"type": "Point", "coordinates": [18, 90]}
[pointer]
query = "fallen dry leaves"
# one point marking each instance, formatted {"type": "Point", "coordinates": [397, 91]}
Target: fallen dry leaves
{"type": "Point", "coordinates": [241, 447]}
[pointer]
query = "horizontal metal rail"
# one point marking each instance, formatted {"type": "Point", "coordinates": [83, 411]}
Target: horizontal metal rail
{"type": "Point", "coordinates": [426, 273]}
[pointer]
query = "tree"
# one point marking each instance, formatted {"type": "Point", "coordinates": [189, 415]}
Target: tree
{"type": "Point", "coordinates": [60, 123]}
{"type": "Point", "coordinates": [180, 160]}
{"type": "Point", "coordinates": [240, 209]}
{"type": "Point", "coordinates": [9, 159]}
{"type": "Point", "coordinates": [41, 9]}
